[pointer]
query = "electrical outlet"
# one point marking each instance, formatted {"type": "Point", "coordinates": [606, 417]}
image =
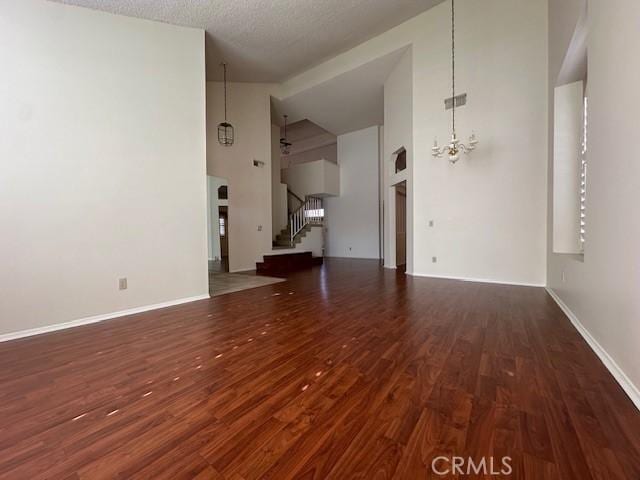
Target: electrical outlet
{"type": "Point", "coordinates": [259, 228]}
{"type": "Point", "coordinates": [122, 284]}
{"type": "Point", "coordinates": [434, 259]}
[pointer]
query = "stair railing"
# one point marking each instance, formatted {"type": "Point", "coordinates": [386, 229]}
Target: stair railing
{"type": "Point", "coordinates": [310, 212]}
{"type": "Point", "coordinates": [293, 201]}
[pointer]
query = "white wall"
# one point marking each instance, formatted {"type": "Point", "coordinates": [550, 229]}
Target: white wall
{"type": "Point", "coordinates": [102, 163]}
{"type": "Point", "coordinates": [313, 178]}
{"type": "Point", "coordinates": [313, 242]}
{"type": "Point", "coordinates": [489, 209]}
{"type": "Point", "coordinates": [602, 289]}
{"type": "Point", "coordinates": [250, 217]}
{"type": "Point", "coordinates": [213, 215]}
{"type": "Point", "coordinates": [351, 219]}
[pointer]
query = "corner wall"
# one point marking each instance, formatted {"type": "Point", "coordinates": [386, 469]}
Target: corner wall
{"type": "Point", "coordinates": [280, 215]}
{"type": "Point", "coordinates": [102, 164]}
{"type": "Point", "coordinates": [398, 134]}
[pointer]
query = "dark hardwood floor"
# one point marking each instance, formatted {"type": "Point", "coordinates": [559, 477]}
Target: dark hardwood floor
{"type": "Point", "coordinates": [346, 371]}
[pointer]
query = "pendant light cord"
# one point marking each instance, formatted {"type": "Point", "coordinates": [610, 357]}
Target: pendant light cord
{"type": "Point", "coordinates": [224, 67]}
{"type": "Point", "coordinates": [453, 65]}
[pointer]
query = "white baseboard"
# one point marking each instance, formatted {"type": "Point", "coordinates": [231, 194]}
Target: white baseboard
{"type": "Point", "coordinates": [478, 280]}
{"type": "Point", "coordinates": [341, 257]}
{"type": "Point", "coordinates": [97, 318]}
{"type": "Point", "coordinates": [627, 385]}
{"type": "Point", "coordinates": [242, 270]}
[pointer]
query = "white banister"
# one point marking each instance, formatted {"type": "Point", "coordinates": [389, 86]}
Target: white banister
{"type": "Point", "coordinates": [309, 213]}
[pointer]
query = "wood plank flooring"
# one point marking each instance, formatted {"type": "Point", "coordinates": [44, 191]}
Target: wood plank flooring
{"type": "Point", "coordinates": [347, 371]}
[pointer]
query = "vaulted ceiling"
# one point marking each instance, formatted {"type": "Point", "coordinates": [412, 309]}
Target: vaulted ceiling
{"type": "Point", "coordinates": [347, 102]}
{"type": "Point", "coordinates": [271, 40]}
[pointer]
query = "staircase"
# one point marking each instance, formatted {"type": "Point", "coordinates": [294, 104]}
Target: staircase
{"type": "Point", "coordinates": [283, 239]}
{"type": "Point", "coordinates": [293, 247]}
{"type": "Point", "coordinates": [310, 214]}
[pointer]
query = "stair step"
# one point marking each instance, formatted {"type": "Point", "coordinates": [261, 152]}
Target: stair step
{"type": "Point", "coordinates": [281, 264]}
{"type": "Point", "coordinates": [282, 244]}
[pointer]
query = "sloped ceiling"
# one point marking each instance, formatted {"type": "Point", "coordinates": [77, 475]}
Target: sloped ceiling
{"type": "Point", "coordinates": [347, 102]}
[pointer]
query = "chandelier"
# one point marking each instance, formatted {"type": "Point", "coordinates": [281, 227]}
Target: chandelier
{"type": "Point", "coordinates": [225, 129]}
{"type": "Point", "coordinates": [455, 146]}
{"type": "Point", "coordinates": [285, 145]}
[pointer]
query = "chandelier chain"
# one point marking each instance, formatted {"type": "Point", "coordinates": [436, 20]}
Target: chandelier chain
{"type": "Point", "coordinates": [455, 146]}
{"type": "Point", "coordinates": [453, 65]}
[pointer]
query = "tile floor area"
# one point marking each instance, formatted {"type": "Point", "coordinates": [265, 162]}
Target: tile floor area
{"type": "Point", "coordinates": [223, 283]}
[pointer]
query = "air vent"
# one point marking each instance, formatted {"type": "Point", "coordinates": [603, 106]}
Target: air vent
{"type": "Point", "coordinates": [461, 100]}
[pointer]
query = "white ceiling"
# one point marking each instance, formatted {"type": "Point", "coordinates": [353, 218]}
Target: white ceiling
{"type": "Point", "coordinates": [303, 130]}
{"type": "Point", "coordinates": [306, 135]}
{"type": "Point", "coordinates": [271, 40]}
{"type": "Point", "coordinates": [348, 102]}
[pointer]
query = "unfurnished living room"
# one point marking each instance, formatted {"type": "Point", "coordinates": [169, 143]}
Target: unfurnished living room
{"type": "Point", "coordinates": [319, 239]}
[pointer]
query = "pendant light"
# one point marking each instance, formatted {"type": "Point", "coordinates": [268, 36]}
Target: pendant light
{"type": "Point", "coordinates": [285, 145]}
{"type": "Point", "coordinates": [225, 129]}
{"type": "Point", "coordinates": [455, 146]}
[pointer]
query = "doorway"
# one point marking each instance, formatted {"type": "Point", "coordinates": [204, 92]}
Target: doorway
{"type": "Point", "coordinates": [218, 224]}
{"type": "Point", "coordinates": [223, 231]}
{"type": "Point", "coordinates": [401, 226]}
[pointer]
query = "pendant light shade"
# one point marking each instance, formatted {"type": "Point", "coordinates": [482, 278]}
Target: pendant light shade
{"type": "Point", "coordinates": [225, 129]}
{"type": "Point", "coordinates": [285, 145]}
{"type": "Point", "coordinates": [225, 134]}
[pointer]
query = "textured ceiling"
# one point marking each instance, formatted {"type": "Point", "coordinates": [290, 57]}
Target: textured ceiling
{"type": "Point", "coordinates": [271, 40]}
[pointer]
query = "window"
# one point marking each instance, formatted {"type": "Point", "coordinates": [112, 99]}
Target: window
{"type": "Point", "coordinates": [223, 192]}
{"type": "Point", "coordinates": [569, 169]}
{"type": "Point", "coordinates": [583, 174]}
{"type": "Point", "coordinates": [401, 160]}
{"type": "Point", "coordinates": [314, 213]}
{"type": "Point", "coordinates": [223, 230]}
